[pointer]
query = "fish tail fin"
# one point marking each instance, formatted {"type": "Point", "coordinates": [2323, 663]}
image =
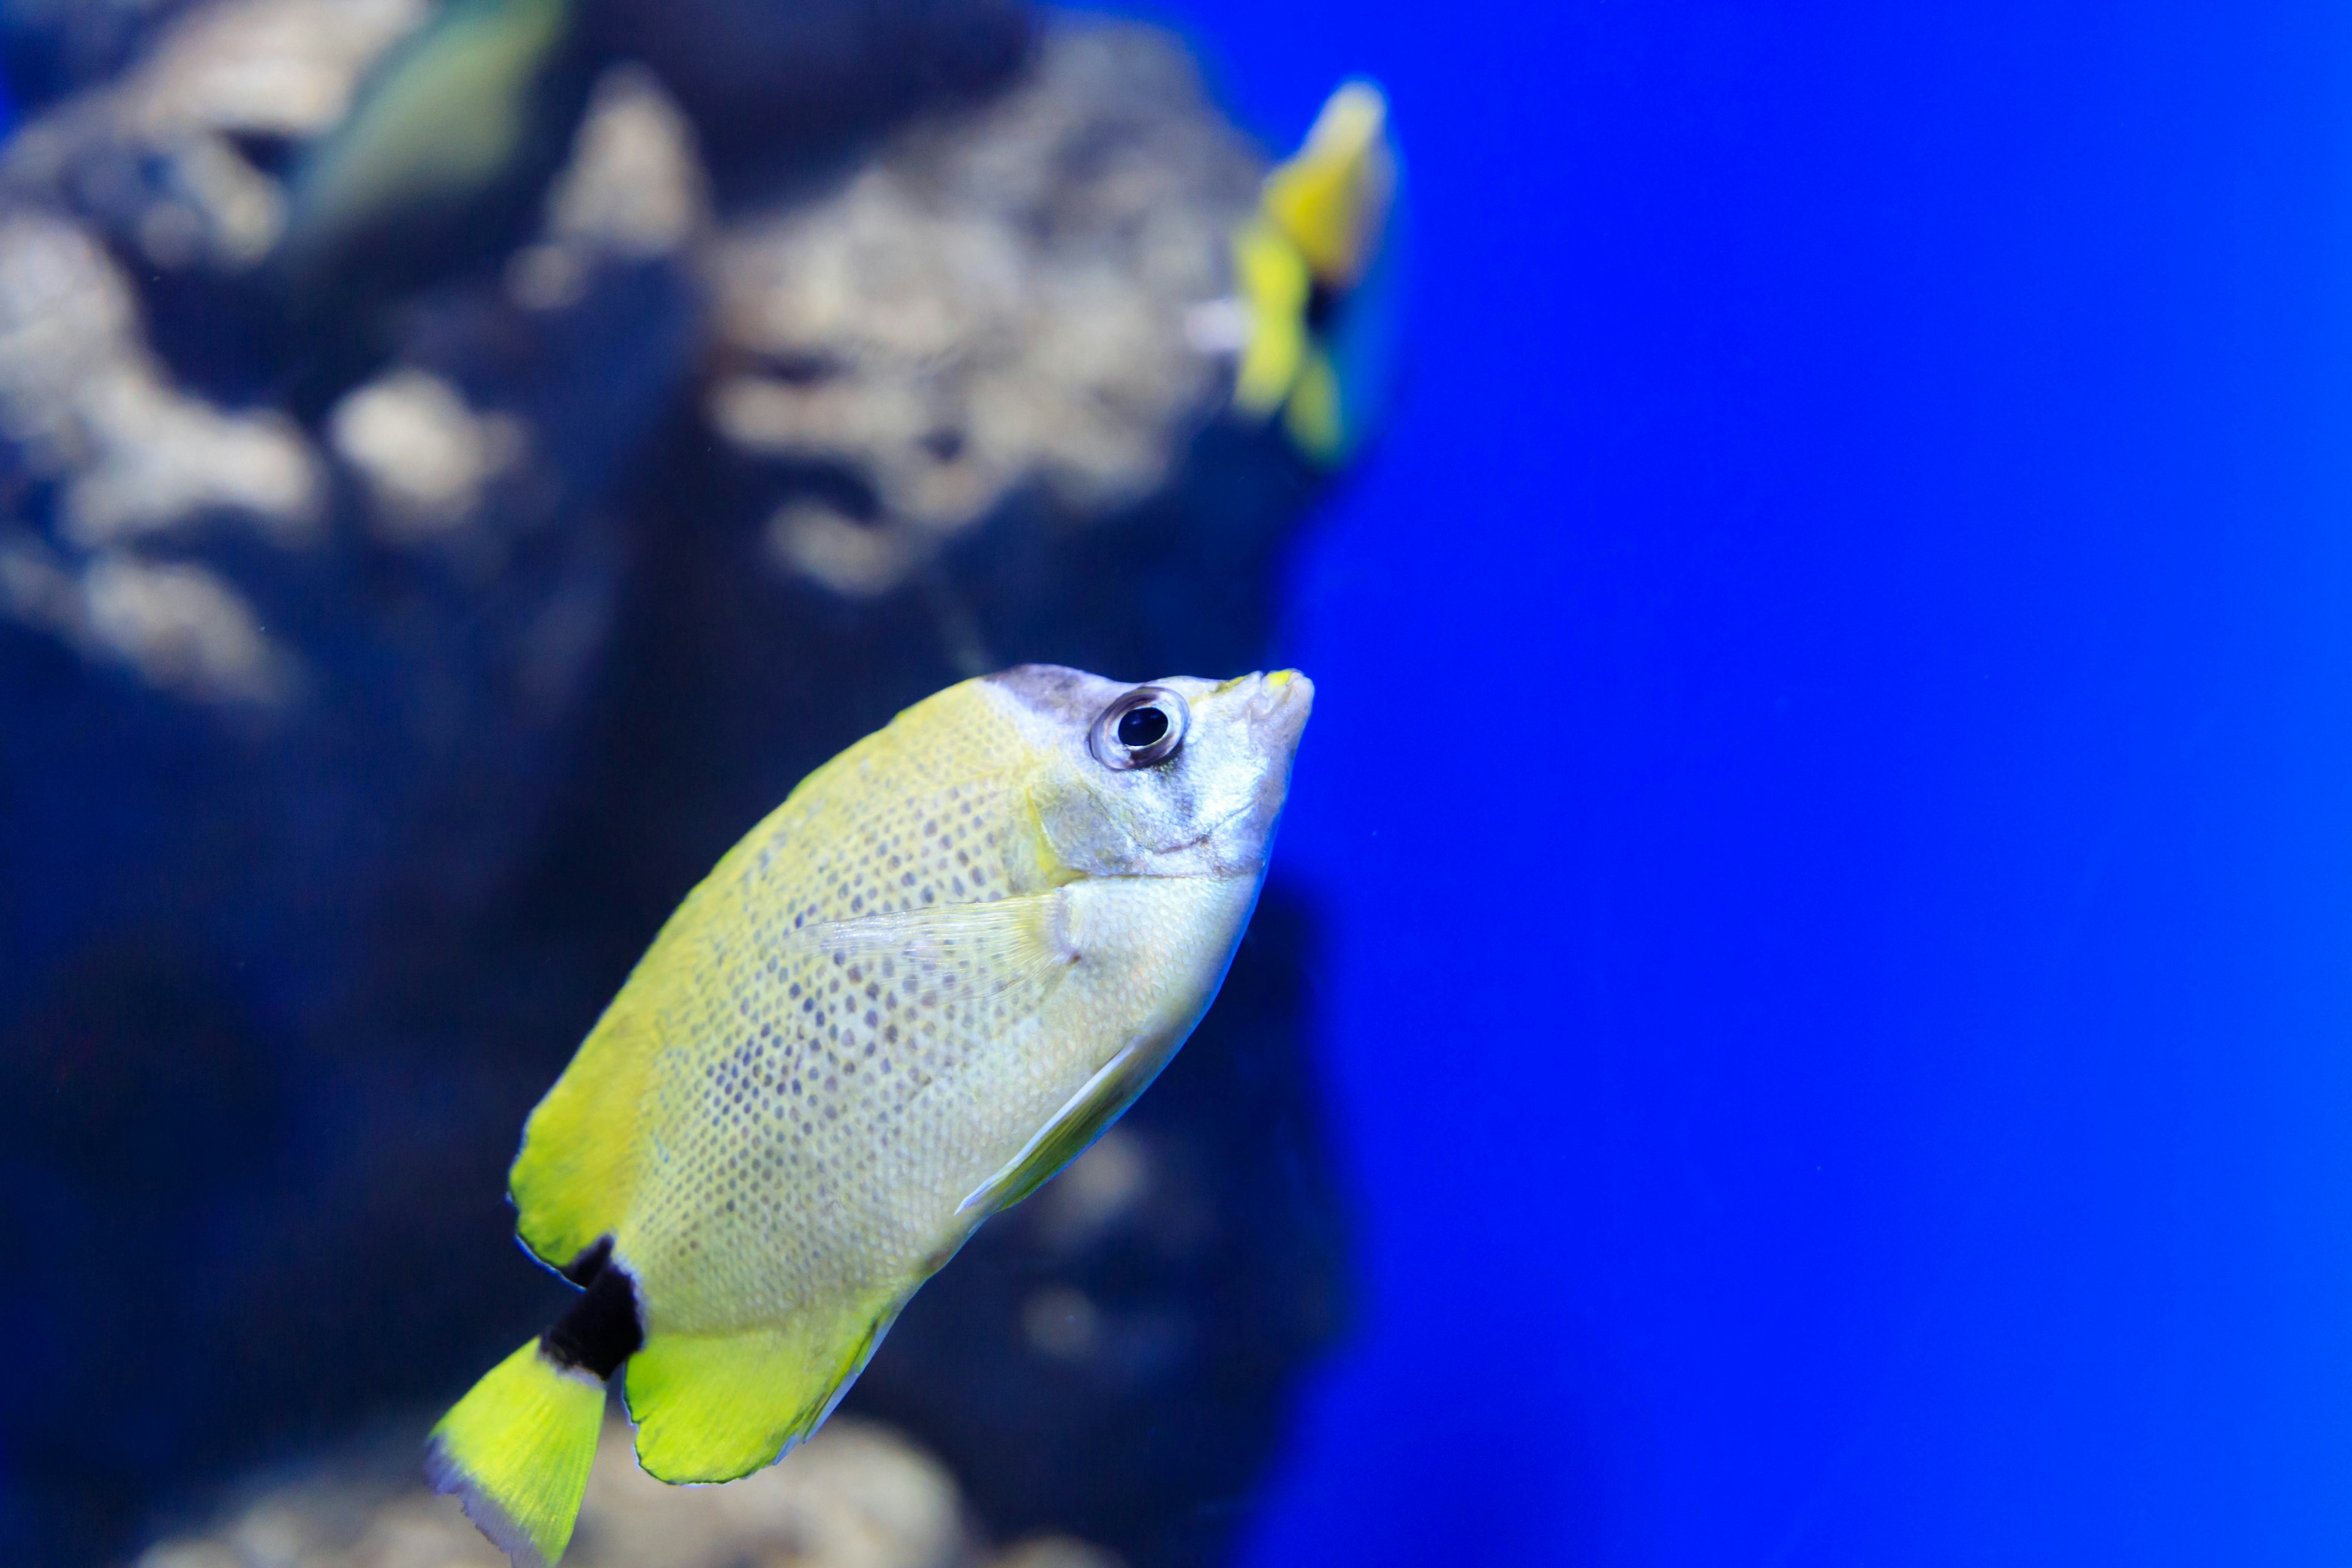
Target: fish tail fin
{"type": "Point", "coordinates": [516, 1452]}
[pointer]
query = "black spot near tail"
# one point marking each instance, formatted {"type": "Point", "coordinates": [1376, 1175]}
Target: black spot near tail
{"type": "Point", "coordinates": [1322, 304]}
{"type": "Point", "coordinates": [602, 1330]}
{"type": "Point", "coordinates": [582, 1270]}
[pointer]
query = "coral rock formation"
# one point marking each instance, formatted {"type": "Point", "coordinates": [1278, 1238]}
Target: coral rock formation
{"type": "Point", "coordinates": [382, 665]}
{"type": "Point", "coordinates": [996, 298]}
{"type": "Point", "coordinates": [857, 1496]}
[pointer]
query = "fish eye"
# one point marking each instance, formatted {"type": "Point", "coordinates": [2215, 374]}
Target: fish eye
{"type": "Point", "coordinates": [1144, 728]}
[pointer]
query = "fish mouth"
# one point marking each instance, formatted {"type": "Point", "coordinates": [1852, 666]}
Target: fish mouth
{"type": "Point", "coordinates": [1275, 712]}
{"type": "Point", "coordinates": [1279, 707]}
{"type": "Point", "coordinates": [1262, 716]}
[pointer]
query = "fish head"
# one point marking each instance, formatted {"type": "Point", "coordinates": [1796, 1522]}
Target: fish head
{"type": "Point", "coordinates": [1178, 777]}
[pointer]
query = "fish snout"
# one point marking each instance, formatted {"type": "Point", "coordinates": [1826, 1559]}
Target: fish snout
{"type": "Point", "coordinates": [1279, 707]}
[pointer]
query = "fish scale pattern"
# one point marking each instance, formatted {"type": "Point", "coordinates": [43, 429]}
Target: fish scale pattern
{"type": "Point", "coordinates": [891, 928]}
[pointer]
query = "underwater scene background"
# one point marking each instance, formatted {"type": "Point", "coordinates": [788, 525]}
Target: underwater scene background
{"type": "Point", "coordinates": [1801, 1013]}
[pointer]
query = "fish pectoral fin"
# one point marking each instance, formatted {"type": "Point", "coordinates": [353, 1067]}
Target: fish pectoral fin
{"type": "Point", "coordinates": [716, 1408]}
{"type": "Point", "coordinates": [1066, 1136]}
{"type": "Point", "coordinates": [1018, 948]}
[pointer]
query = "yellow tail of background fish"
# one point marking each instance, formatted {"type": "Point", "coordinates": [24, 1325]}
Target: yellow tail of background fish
{"type": "Point", "coordinates": [1321, 226]}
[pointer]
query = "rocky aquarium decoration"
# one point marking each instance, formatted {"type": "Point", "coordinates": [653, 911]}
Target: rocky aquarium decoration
{"type": "Point", "coordinates": [408, 590]}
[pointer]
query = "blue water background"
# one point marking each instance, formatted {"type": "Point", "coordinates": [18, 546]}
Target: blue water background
{"type": "Point", "coordinates": [1833, 784]}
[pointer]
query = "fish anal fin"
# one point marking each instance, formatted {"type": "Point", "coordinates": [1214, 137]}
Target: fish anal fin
{"type": "Point", "coordinates": [1068, 1133]}
{"type": "Point", "coordinates": [716, 1408]}
{"type": "Point", "coordinates": [1315, 418]}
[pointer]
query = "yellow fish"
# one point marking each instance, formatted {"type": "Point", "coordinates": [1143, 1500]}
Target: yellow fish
{"type": "Point", "coordinates": [1315, 272]}
{"type": "Point", "coordinates": [450, 114]}
{"type": "Point", "coordinates": [918, 989]}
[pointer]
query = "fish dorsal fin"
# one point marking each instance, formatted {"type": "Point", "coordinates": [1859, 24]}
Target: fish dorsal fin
{"type": "Point", "coordinates": [1067, 1134]}
{"type": "Point", "coordinates": [573, 1178]}
{"type": "Point", "coordinates": [1332, 197]}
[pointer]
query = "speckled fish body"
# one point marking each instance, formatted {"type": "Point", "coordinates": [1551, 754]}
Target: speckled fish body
{"type": "Point", "coordinates": [904, 1001]}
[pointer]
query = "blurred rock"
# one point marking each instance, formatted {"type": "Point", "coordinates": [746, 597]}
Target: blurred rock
{"type": "Point", "coordinates": [766, 84]}
{"type": "Point", "coordinates": [92, 422]}
{"type": "Point", "coordinates": [424, 455]}
{"type": "Point", "coordinates": [289, 709]}
{"type": "Point", "coordinates": [857, 1496]}
{"type": "Point", "coordinates": [157, 160]}
{"type": "Point", "coordinates": [86, 406]}
{"type": "Point", "coordinates": [183, 157]}
{"type": "Point", "coordinates": [48, 47]}
{"type": "Point", "coordinates": [994, 300]}
{"type": "Point", "coordinates": [1054, 1552]}
{"type": "Point", "coordinates": [634, 189]}
{"type": "Point", "coordinates": [372, 698]}
{"type": "Point", "coordinates": [180, 627]}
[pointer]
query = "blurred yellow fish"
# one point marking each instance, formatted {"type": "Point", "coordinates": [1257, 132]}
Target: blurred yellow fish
{"type": "Point", "coordinates": [927, 982]}
{"type": "Point", "coordinates": [1314, 267]}
{"type": "Point", "coordinates": [477, 99]}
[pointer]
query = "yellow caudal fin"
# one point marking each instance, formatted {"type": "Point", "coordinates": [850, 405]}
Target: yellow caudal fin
{"type": "Point", "coordinates": [714, 1407]}
{"type": "Point", "coordinates": [1332, 195]}
{"type": "Point", "coordinates": [516, 1452]}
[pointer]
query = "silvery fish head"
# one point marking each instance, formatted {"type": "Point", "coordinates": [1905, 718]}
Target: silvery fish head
{"type": "Point", "coordinates": [1180, 777]}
